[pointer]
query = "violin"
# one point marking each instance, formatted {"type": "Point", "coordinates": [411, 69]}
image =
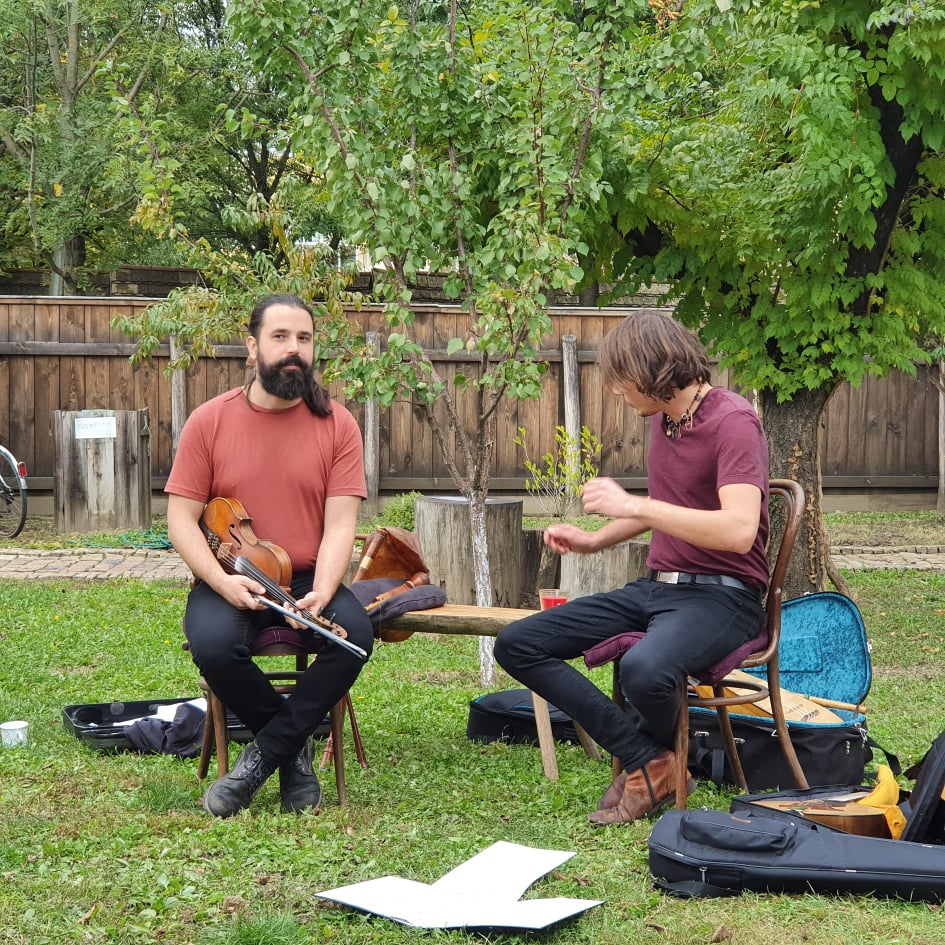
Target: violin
{"type": "Point", "coordinates": [228, 530]}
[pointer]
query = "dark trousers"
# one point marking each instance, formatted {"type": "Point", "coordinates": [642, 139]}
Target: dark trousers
{"type": "Point", "coordinates": [220, 638]}
{"type": "Point", "coordinates": [688, 627]}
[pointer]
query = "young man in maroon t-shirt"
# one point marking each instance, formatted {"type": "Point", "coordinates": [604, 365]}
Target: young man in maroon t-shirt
{"type": "Point", "coordinates": [293, 459]}
{"type": "Point", "coordinates": [707, 510]}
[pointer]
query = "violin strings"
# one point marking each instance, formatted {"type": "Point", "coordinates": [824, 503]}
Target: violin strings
{"type": "Point", "coordinates": [245, 566]}
{"type": "Point", "coordinates": [240, 565]}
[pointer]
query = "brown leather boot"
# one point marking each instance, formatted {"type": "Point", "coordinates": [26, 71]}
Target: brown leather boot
{"type": "Point", "coordinates": [613, 794]}
{"type": "Point", "coordinates": [645, 790]}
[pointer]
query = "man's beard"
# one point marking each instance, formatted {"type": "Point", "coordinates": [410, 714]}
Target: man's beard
{"type": "Point", "coordinates": [285, 384]}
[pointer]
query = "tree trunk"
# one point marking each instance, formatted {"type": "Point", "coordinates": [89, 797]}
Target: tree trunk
{"type": "Point", "coordinates": [613, 567]}
{"type": "Point", "coordinates": [795, 433]}
{"type": "Point", "coordinates": [67, 258]}
{"type": "Point", "coordinates": [473, 546]}
{"type": "Point", "coordinates": [483, 584]}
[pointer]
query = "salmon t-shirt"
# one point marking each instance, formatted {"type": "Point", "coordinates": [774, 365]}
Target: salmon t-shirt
{"type": "Point", "coordinates": [280, 464]}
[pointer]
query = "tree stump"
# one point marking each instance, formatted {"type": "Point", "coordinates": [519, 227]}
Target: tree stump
{"type": "Point", "coordinates": [603, 570]}
{"type": "Point", "coordinates": [103, 470]}
{"type": "Point", "coordinates": [442, 526]}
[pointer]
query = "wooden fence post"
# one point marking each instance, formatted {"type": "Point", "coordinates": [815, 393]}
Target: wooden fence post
{"type": "Point", "coordinates": [940, 497]}
{"type": "Point", "coordinates": [372, 437]}
{"type": "Point", "coordinates": [571, 382]}
{"type": "Point", "coordinates": [178, 398]}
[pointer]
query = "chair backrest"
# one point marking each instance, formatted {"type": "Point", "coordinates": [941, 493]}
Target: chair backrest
{"type": "Point", "coordinates": [791, 497]}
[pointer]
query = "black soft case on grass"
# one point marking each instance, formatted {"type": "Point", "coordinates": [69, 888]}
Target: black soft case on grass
{"type": "Point", "coordinates": [824, 653]}
{"type": "Point", "coordinates": [509, 716]}
{"type": "Point", "coordinates": [712, 853]}
{"type": "Point", "coordinates": [924, 807]}
{"type": "Point", "coordinates": [97, 724]}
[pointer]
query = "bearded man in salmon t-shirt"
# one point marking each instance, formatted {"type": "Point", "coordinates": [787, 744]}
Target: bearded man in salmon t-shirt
{"type": "Point", "coordinates": [293, 459]}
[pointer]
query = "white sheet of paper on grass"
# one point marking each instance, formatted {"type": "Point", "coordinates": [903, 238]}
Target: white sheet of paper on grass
{"type": "Point", "coordinates": [483, 892]}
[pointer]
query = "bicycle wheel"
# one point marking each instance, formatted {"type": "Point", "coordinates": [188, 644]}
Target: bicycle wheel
{"type": "Point", "coordinates": [12, 497]}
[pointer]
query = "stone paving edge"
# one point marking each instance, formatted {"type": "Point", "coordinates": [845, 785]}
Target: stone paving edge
{"type": "Point", "coordinates": [163, 563]}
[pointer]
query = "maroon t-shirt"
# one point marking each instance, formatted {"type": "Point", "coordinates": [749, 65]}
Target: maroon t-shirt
{"type": "Point", "coordinates": [725, 446]}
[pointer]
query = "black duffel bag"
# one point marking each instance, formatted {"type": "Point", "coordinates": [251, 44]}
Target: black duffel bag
{"type": "Point", "coordinates": [828, 754]}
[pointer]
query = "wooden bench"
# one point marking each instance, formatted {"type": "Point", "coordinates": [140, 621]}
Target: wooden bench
{"type": "Point", "coordinates": [466, 620]}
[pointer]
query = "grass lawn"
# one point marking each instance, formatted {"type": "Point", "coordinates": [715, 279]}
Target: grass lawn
{"type": "Point", "coordinates": [114, 848]}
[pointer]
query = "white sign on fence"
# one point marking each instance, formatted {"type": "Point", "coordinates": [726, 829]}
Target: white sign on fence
{"type": "Point", "coordinates": [95, 428]}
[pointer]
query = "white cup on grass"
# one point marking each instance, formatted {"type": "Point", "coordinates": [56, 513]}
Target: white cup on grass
{"type": "Point", "coordinates": [13, 734]}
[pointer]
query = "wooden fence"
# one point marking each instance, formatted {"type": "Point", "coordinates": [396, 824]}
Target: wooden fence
{"type": "Point", "coordinates": [62, 354]}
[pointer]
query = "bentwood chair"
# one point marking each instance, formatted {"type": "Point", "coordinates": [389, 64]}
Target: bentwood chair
{"type": "Point", "coordinates": [759, 654]}
{"type": "Point", "coordinates": [285, 642]}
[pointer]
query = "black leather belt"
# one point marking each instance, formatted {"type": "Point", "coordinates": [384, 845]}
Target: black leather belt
{"type": "Point", "coordinates": [681, 577]}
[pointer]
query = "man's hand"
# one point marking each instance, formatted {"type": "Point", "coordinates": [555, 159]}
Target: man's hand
{"type": "Point", "coordinates": [562, 539]}
{"type": "Point", "coordinates": [313, 602]}
{"type": "Point", "coordinates": [603, 496]}
{"type": "Point", "coordinates": [240, 591]}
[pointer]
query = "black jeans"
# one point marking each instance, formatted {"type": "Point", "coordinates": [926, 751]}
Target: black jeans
{"type": "Point", "coordinates": [688, 627]}
{"type": "Point", "coordinates": [220, 638]}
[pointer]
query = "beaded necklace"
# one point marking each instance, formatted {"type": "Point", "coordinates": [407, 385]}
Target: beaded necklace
{"type": "Point", "coordinates": [674, 428]}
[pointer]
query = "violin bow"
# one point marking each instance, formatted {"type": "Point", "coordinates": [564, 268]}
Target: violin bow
{"type": "Point", "coordinates": [237, 564]}
{"type": "Point", "coordinates": [303, 618]}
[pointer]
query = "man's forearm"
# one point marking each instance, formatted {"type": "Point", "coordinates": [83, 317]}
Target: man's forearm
{"type": "Point", "coordinates": [334, 558]}
{"type": "Point", "coordinates": [190, 542]}
{"type": "Point", "coordinates": [337, 544]}
{"type": "Point", "coordinates": [618, 530]}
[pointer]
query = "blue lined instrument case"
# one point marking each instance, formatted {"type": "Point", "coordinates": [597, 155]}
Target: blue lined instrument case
{"type": "Point", "coordinates": [824, 655]}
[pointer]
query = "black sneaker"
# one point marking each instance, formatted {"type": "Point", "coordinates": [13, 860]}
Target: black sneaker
{"type": "Point", "coordinates": [298, 784]}
{"type": "Point", "coordinates": [231, 793]}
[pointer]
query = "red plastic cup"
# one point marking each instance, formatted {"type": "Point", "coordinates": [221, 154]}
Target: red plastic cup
{"type": "Point", "coordinates": [550, 597]}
